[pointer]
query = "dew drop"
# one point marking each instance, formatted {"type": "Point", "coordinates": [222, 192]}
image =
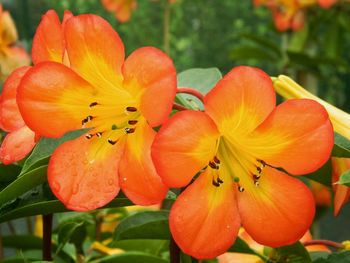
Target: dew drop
{"type": "Point", "coordinates": [56, 186]}
{"type": "Point", "coordinates": [228, 226]}
{"type": "Point", "coordinates": [92, 161]}
{"type": "Point", "coordinates": [110, 181]}
{"type": "Point", "coordinates": [124, 179]}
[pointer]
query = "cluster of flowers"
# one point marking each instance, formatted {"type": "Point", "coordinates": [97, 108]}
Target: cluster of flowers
{"type": "Point", "coordinates": [290, 14]}
{"type": "Point", "coordinates": [232, 158]}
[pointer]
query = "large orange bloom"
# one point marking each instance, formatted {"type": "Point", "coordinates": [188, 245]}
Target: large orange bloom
{"type": "Point", "coordinates": [118, 101]}
{"type": "Point", "coordinates": [11, 56]}
{"type": "Point", "coordinates": [48, 45]}
{"type": "Point", "coordinates": [236, 145]}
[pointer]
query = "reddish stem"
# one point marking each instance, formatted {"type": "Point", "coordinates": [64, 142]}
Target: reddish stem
{"type": "Point", "coordinates": [179, 107]}
{"type": "Point", "coordinates": [191, 91]}
{"type": "Point", "coordinates": [327, 243]}
{"type": "Point", "coordinates": [47, 232]}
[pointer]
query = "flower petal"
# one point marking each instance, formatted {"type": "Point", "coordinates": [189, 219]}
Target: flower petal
{"type": "Point", "coordinates": [48, 42]}
{"type": "Point", "coordinates": [12, 58]}
{"type": "Point", "coordinates": [205, 213]}
{"type": "Point", "coordinates": [83, 174]}
{"type": "Point", "coordinates": [341, 192]}
{"type": "Point", "coordinates": [151, 71]}
{"type": "Point", "coordinates": [10, 116]}
{"type": "Point", "coordinates": [297, 136]}
{"type": "Point", "coordinates": [95, 50]}
{"type": "Point", "coordinates": [9, 33]}
{"type": "Point", "coordinates": [17, 145]}
{"type": "Point", "coordinates": [138, 177]}
{"type": "Point", "coordinates": [53, 99]}
{"type": "Point", "coordinates": [241, 100]}
{"type": "Point", "coordinates": [279, 211]}
{"type": "Point", "coordinates": [183, 146]}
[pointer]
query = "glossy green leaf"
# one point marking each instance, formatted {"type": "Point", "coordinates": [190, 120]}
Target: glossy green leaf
{"type": "Point", "coordinates": [23, 184]}
{"type": "Point", "coordinates": [127, 257]}
{"type": "Point", "coordinates": [200, 79]}
{"type": "Point", "coordinates": [45, 147]}
{"type": "Point", "coordinates": [65, 233]}
{"type": "Point", "coordinates": [8, 173]}
{"type": "Point", "coordinates": [345, 178]}
{"type": "Point", "coordinates": [295, 253]}
{"type": "Point", "coordinates": [340, 257]}
{"type": "Point", "coordinates": [341, 146]}
{"type": "Point", "coordinates": [144, 225]}
{"type": "Point", "coordinates": [150, 246]}
{"type": "Point", "coordinates": [322, 175]}
{"type": "Point", "coordinates": [240, 246]}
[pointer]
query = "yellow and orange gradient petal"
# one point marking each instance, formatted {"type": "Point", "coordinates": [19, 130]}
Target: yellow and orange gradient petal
{"type": "Point", "coordinates": [108, 96]}
{"type": "Point", "coordinates": [237, 142]}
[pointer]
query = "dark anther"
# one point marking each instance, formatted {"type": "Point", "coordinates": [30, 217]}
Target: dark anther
{"type": "Point", "coordinates": [132, 122]}
{"type": "Point", "coordinates": [256, 183]}
{"type": "Point", "coordinates": [215, 183]}
{"type": "Point", "coordinates": [212, 165]}
{"type": "Point", "coordinates": [112, 142]}
{"type": "Point", "coordinates": [256, 176]}
{"type": "Point", "coordinates": [216, 160]}
{"type": "Point", "coordinates": [93, 104]}
{"type": "Point", "coordinates": [88, 136]}
{"type": "Point", "coordinates": [259, 170]}
{"type": "Point", "coordinates": [241, 189]}
{"type": "Point", "coordinates": [220, 181]}
{"type": "Point", "coordinates": [99, 134]}
{"type": "Point", "coordinates": [129, 130]}
{"type": "Point", "coordinates": [131, 109]}
{"type": "Point", "coordinates": [262, 162]}
{"type": "Point", "coordinates": [84, 121]}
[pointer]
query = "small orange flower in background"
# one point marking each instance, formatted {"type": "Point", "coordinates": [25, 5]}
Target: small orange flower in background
{"type": "Point", "coordinates": [237, 143]}
{"type": "Point", "coordinates": [326, 3]}
{"type": "Point", "coordinates": [121, 8]}
{"type": "Point", "coordinates": [11, 56]}
{"type": "Point", "coordinates": [341, 192]}
{"type": "Point", "coordinates": [118, 100]}
{"type": "Point", "coordinates": [48, 45]}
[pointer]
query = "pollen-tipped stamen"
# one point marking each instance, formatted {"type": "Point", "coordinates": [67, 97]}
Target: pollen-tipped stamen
{"type": "Point", "coordinates": [89, 136]}
{"type": "Point", "coordinates": [99, 134]}
{"type": "Point", "coordinates": [93, 104]}
{"type": "Point", "coordinates": [111, 141]}
{"type": "Point", "coordinates": [132, 122]}
{"type": "Point", "coordinates": [129, 130]}
{"type": "Point", "coordinates": [131, 109]}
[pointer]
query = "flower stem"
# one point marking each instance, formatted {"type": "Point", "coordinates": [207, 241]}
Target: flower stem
{"type": "Point", "coordinates": [191, 91]}
{"type": "Point", "coordinates": [179, 107]}
{"type": "Point", "coordinates": [174, 251]}
{"type": "Point", "coordinates": [47, 232]}
{"type": "Point", "coordinates": [327, 243]}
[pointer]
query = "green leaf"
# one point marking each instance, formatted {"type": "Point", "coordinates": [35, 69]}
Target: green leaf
{"type": "Point", "coordinates": [8, 173]}
{"type": "Point", "coordinates": [295, 253]}
{"type": "Point", "coordinates": [23, 184]}
{"type": "Point", "coordinates": [345, 178]}
{"type": "Point", "coordinates": [24, 242]}
{"type": "Point", "coordinates": [45, 147]}
{"type": "Point", "coordinates": [127, 257]}
{"type": "Point", "coordinates": [201, 79]}
{"type": "Point", "coordinates": [340, 257]}
{"type": "Point", "coordinates": [322, 175]}
{"type": "Point", "coordinates": [65, 233]}
{"type": "Point", "coordinates": [263, 42]}
{"type": "Point", "coordinates": [149, 246]}
{"type": "Point", "coordinates": [144, 225]}
{"type": "Point", "coordinates": [341, 146]}
{"type": "Point", "coordinates": [249, 52]}
{"type": "Point", "coordinates": [240, 246]}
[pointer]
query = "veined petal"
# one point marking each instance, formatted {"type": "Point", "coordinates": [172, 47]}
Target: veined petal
{"type": "Point", "coordinates": [17, 145]}
{"type": "Point", "coordinates": [10, 116]}
{"type": "Point", "coordinates": [48, 42]}
{"type": "Point", "coordinates": [297, 136]}
{"type": "Point", "coordinates": [53, 99]}
{"type": "Point", "coordinates": [151, 74]}
{"type": "Point", "coordinates": [204, 220]}
{"type": "Point", "coordinates": [95, 51]}
{"type": "Point", "coordinates": [279, 211]}
{"type": "Point", "coordinates": [241, 100]}
{"type": "Point", "coordinates": [83, 174]}
{"type": "Point", "coordinates": [138, 177]}
{"type": "Point", "coordinates": [183, 146]}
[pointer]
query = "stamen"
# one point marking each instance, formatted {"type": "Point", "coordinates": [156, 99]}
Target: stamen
{"type": "Point", "coordinates": [215, 183]}
{"type": "Point", "coordinates": [86, 120]}
{"type": "Point", "coordinates": [131, 109]}
{"type": "Point", "coordinates": [99, 134]}
{"type": "Point", "coordinates": [89, 136]}
{"type": "Point", "coordinates": [93, 104]}
{"type": "Point", "coordinates": [220, 181]}
{"type": "Point", "coordinates": [263, 163]}
{"type": "Point", "coordinates": [212, 165]}
{"type": "Point", "coordinates": [240, 188]}
{"type": "Point", "coordinates": [256, 183]}
{"type": "Point", "coordinates": [256, 177]}
{"type": "Point", "coordinates": [112, 142]}
{"type": "Point", "coordinates": [216, 160]}
{"type": "Point", "coordinates": [259, 170]}
{"type": "Point", "coordinates": [129, 130]}
{"type": "Point", "coordinates": [132, 122]}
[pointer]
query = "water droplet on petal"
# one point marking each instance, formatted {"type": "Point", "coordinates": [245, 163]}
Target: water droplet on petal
{"type": "Point", "coordinates": [92, 161]}
{"type": "Point", "coordinates": [124, 179]}
{"type": "Point", "coordinates": [110, 181]}
{"type": "Point", "coordinates": [56, 186]}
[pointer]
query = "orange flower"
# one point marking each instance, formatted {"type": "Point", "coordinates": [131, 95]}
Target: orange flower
{"type": "Point", "coordinates": [237, 143]}
{"type": "Point", "coordinates": [321, 193]}
{"type": "Point", "coordinates": [47, 45]}
{"type": "Point", "coordinates": [341, 192]}
{"type": "Point", "coordinates": [118, 101]}
{"type": "Point", "coordinates": [11, 57]}
{"type": "Point", "coordinates": [326, 3]}
{"type": "Point", "coordinates": [121, 8]}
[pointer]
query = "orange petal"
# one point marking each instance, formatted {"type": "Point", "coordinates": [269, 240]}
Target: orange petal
{"type": "Point", "coordinates": [138, 177]}
{"type": "Point", "coordinates": [83, 174]}
{"type": "Point", "coordinates": [48, 42]}
{"type": "Point", "coordinates": [17, 145]}
{"type": "Point", "coordinates": [341, 192]}
{"type": "Point", "coordinates": [183, 146]}
{"type": "Point", "coordinates": [151, 71]}
{"type": "Point", "coordinates": [241, 100]}
{"type": "Point", "coordinates": [53, 99]}
{"type": "Point", "coordinates": [204, 220]}
{"type": "Point", "coordinates": [11, 118]}
{"type": "Point", "coordinates": [279, 211]}
{"type": "Point", "coordinates": [95, 51]}
{"type": "Point", "coordinates": [297, 136]}
{"type": "Point", "coordinates": [124, 10]}
{"type": "Point", "coordinates": [12, 58]}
